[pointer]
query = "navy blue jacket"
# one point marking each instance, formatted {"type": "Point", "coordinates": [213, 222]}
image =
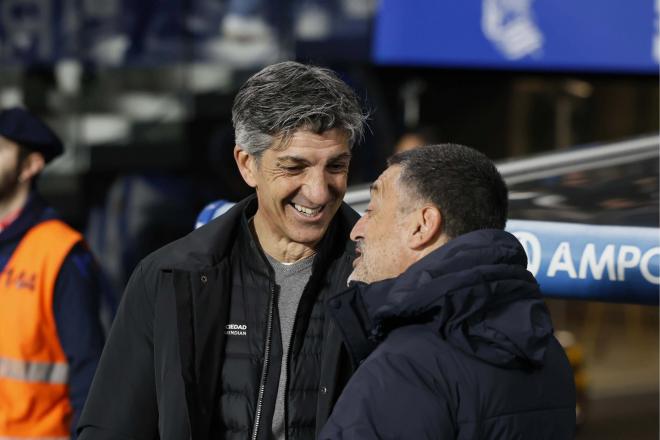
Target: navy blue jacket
{"type": "Point", "coordinates": [467, 351]}
{"type": "Point", "coordinates": [75, 302]}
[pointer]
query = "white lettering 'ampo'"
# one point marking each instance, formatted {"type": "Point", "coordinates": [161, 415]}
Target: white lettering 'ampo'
{"type": "Point", "coordinates": [562, 260]}
{"type": "Point", "coordinates": [594, 262]}
{"type": "Point", "coordinates": [645, 264]}
{"type": "Point", "coordinates": [596, 265]}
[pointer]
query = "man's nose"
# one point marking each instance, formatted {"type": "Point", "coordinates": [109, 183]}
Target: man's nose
{"type": "Point", "coordinates": [318, 189]}
{"type": "Point", "coordinates": [357, 233]}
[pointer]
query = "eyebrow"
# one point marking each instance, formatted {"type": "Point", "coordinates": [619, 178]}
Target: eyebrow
{"type": "Point", "coordinates": [374, 187]}
{"type": "Point", "coordinates": [342, 156]}
{"type": "Point", "coordinates": [292, 159]}
{"type": "Point", "coordinates": [303, 161]}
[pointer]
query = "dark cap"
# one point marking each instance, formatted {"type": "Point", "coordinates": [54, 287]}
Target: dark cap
{"type": "Point", "coordinates": [21, 126]}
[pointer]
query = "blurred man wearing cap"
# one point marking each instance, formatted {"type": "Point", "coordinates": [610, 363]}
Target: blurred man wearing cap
{"type": "Point", "coordinates": [50, 333]}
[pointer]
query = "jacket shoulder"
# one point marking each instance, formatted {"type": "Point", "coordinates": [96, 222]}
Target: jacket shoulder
{"type": "Point", "coordinates": [203, 247]}
{"type": "Point", "coordinates": [208, 245]}
{"type": "Point", "coordinates": [431, 358]}
{"type": "Point", "coordinates": [416, 341]}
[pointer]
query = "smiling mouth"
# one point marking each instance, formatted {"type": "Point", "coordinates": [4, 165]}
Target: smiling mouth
{"type": "Point", "coordinates": [307, 212]}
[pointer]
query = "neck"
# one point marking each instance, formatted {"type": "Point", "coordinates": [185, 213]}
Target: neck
{"type": "Point", "coordinates": [15, 201]}
{"type": "Point", "coordinates": [280, 248]}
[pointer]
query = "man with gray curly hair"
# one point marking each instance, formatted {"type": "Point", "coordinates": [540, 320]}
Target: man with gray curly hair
{"type": "Point", "coordinates": [222, 334]}
{"type": "Point", "coordinates": [289, 97]}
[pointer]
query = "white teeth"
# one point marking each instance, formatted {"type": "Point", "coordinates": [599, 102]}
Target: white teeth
{"type": "Point", "coordinates": [307, 211]}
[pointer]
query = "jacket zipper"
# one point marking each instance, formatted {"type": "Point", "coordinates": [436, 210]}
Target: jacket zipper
{"type": "Point", "coordinates": [264, 370]}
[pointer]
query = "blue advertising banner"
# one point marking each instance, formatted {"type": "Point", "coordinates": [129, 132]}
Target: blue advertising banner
{"type": "Point", "coordinates": [602, 263]}
{"type": "Point", "coordinates": [586, 35]}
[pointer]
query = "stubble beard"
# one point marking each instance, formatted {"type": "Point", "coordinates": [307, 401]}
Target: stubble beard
{"type": "Point", "coordinates": [359, 274]}
{"type": "Point", "coordinates": [9, 185]}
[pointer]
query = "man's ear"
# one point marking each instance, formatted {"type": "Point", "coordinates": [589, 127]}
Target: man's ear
{"type": "Point", "coordinates": [427, 227]}
{"type": "Point", "coordinates": [246, 165]}
{"type": "Point", "coordinates": [31, 166]}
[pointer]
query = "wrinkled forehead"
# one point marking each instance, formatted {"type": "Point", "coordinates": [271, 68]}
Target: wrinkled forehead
{"type": "Point", "coordinates": [310, 145]}
{"type": "Point", "coordinates": [298, 138]}
{"type": "Point", "coordinates": [387, 184]}
{"type": "Point", "coordinates": [390, 189]}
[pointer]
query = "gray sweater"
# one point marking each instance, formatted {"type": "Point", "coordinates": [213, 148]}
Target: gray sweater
{"type": "Point", "coordinates": [292, 279]}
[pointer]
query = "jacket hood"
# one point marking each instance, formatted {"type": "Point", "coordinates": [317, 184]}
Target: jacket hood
{"type": "Point", "coordinates": [476, 293]}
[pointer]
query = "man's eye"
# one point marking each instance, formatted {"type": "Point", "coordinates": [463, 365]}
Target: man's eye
{"type": "Point", "coordinates": [337, 167]}
{"type": "Point", "coordinates": [292, 170]}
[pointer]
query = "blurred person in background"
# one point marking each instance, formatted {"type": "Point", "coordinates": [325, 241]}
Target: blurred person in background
{"type": "Point", "coordinates": [466, 342]}
{"type": "Point", "coordinates": [50, 332]}
{"type": "Point", "coordinates": [222, 334]}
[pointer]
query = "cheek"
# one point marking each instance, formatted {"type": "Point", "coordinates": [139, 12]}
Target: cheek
{"type": "Point", "coordinates": [386, 241]}
{"type": "Point", "coordinates": [338, 181]}
{"type": "Point", "coordinates": [378, 242]}
{"type": "Point", "coordinates": [283, 188]}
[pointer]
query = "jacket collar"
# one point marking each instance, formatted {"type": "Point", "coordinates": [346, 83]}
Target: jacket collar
{"type": "Point", "coordinates": [206, 247]}
{"type": "Point", "coordinates": [475, 292]}
{"type": "Point", "coordinates": [202, 284]}
{"type": "Point", "coordinates": [460, 262]}
{"type": "Point", "coordinates": [333, 243]}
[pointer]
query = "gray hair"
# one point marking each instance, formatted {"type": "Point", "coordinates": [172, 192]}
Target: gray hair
{"type": "Point", "coordinates": [285, 97]}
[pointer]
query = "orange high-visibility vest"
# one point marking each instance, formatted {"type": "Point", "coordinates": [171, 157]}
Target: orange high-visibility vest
{"type": "Point", "coordinates": [34, 372]}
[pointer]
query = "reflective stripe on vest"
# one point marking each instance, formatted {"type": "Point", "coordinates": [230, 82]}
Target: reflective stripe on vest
{"type": "Point", "coordinates": [34, 371]}
{"type": "Point", "coordinates": [33, 438]}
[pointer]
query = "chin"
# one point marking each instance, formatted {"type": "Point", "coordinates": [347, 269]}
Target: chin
{"type": "Point", "coordinates": [309, 240]}
{"type": "Point", "coordinates": [356, 276]}
{"type": "Point", "coordinates": [308, 235]}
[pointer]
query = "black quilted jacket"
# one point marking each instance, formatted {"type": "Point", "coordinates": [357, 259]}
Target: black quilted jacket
{"type": "Point", "coordinates": [197, 334]}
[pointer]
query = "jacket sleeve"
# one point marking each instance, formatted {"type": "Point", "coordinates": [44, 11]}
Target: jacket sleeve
{"type": "Point", "coordinates": [76, 310]}
{"type": "Point", "coordinates": [122, 400]}
{"type": "Point", "coordinates": [391, 397]}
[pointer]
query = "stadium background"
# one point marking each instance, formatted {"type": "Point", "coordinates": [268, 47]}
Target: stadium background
{"type": "Point", "coordinates": [141, 93]}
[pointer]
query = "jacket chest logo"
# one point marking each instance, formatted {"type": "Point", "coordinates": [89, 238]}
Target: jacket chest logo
{"type": "Point", "coordinates": [10, 279]}
{"type": "Point", "coordinates": [236, 329]}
